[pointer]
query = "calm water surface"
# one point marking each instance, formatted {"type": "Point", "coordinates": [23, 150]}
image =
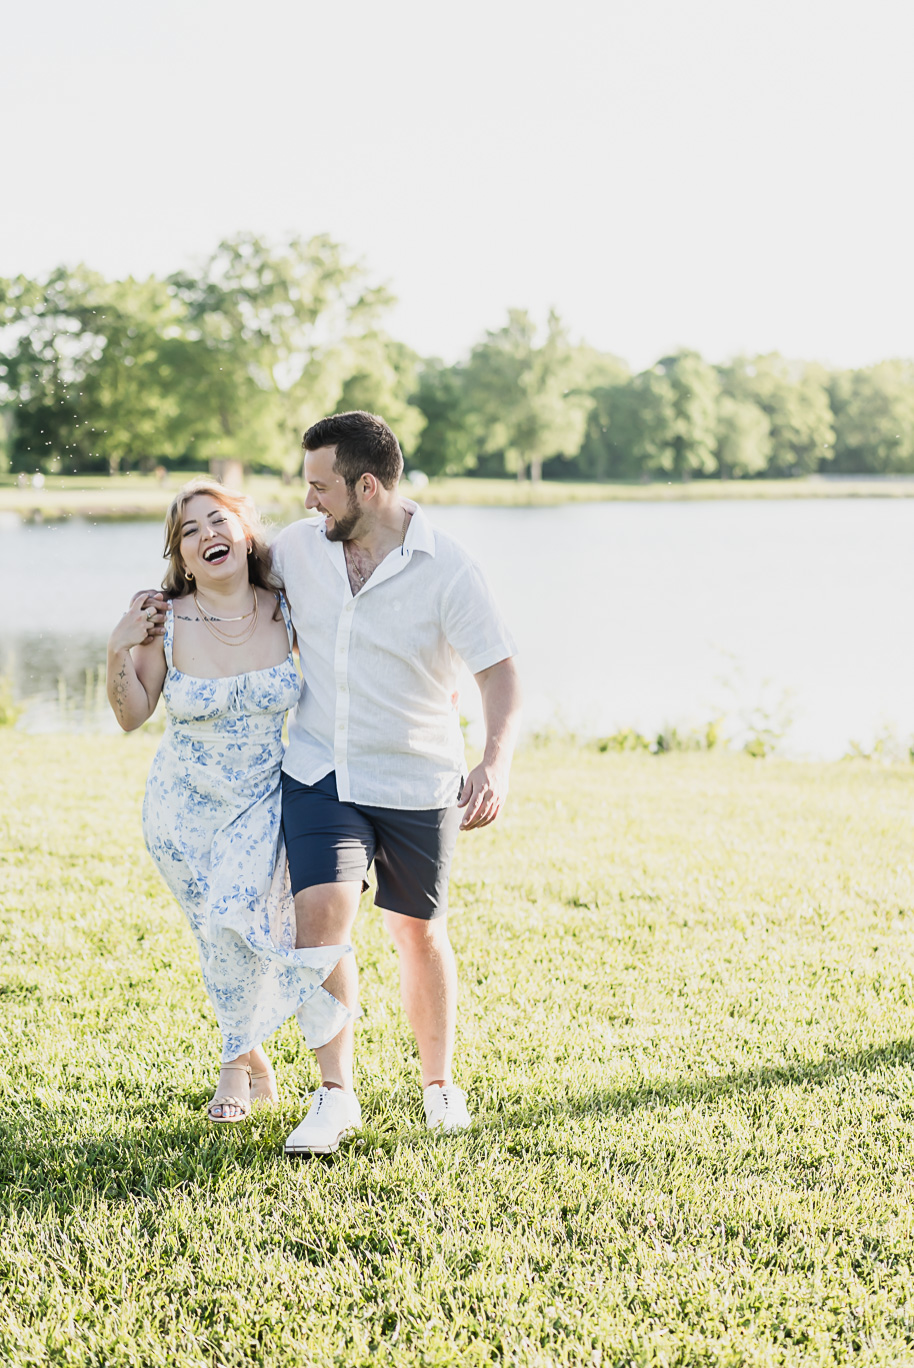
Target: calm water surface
{"type": "Point", "coordinates": [640, 615]}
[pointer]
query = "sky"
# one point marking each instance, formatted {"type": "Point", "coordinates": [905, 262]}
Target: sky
{"type": "Point", "coordinates": [728, 176]}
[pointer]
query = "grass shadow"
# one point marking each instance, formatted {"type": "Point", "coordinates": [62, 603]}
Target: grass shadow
{"type": "Point", "coordinates": [51, 1157]}
{"type": "Point", "coordinates": [674, 1092]}
{"type": "Point", "coordinates": [49, 1160]}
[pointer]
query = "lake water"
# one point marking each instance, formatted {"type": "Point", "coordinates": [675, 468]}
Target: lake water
{"type": "Point", "coordinates": [626, 614]}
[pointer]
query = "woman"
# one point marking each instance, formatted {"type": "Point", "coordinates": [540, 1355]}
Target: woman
{"type": "Point", "coordinates": [211, 815]}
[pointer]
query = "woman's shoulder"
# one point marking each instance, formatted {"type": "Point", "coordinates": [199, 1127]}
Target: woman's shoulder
{"type": "Point", "coordinates": [267, 598]}
{"type": "Point", "coordinates": [271, 602]}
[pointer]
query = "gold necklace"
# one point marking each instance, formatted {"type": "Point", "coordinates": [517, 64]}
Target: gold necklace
{"type": "Point", "coordinates": [222, 636]}
{"type": "Point", "coordinates": [212, 616]}
{"type": "Point", "coordinates": [350, 556]}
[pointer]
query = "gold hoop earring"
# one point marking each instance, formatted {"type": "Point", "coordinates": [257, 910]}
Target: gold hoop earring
{"type": "Point", "coordinates": [188, 575]}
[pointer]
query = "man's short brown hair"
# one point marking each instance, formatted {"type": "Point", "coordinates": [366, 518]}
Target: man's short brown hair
{"type": "Point", "coordinates": [364, 445]}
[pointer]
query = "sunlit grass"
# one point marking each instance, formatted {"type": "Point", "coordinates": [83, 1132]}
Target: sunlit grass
{"type": "Point", "coordinates": [686, 1030]}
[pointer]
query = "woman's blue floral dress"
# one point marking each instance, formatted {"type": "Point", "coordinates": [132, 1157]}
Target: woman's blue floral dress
{"type": "Point", "coordinates": [211, 821]}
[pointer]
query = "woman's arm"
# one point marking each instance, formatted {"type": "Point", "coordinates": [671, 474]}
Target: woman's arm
{"type": "Point", "coordinates": [135, 682]}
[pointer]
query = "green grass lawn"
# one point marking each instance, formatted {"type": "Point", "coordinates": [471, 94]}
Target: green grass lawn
{"type": "Point", "coordinates": [686, 1030]}
{"type": "Point", "coordinates": [142, 496]}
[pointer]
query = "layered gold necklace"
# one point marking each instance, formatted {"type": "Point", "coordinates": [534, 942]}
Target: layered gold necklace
{"type": "Point", "coordinates": [209, 620]}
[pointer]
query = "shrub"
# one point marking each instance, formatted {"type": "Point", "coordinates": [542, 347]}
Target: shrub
{"type": "Point", "coordinates": [10, 711]}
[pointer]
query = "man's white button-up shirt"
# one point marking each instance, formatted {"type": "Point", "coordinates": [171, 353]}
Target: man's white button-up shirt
{"type": "Point", "coordinates": [380, 667]}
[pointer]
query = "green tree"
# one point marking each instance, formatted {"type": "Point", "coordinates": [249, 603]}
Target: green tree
{"type": "Point", "coordinates": [643, 424]}
{"type": "Point", "coordinates": [84, 371]}
{"type": "Point", "coordinates": [598, 456]}
{"type": "Point", "coordinates": [526, 399]}
{"type": "Point", "coordinates": [382, 380]}
{"type": "Point", "coordinates": [270, 337]}
{"type": "Point", "coordinates": [695, 389]}
{"type": "Point", "coordinates": [230, 362]}
{"type": "Point", "coordinates": [44, 350]}
{"type": "Point", "coordinates": [603, 376]}
{"type": "Point", "coordinates": [131, 390]}
{"type": "Point", "coordinates": [743, 437]}
{"type": "Point", "coordinates": [795, 399]}
{"type": "Point", "coordinates": [874, 418]}
{"type": "Point", "coordinates": [448, 445]}
{"type": "Point", "coordinates": [664, 420]}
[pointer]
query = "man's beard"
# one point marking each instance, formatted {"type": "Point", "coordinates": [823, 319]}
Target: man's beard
{"type": "Point", "coordinates": [343, 528]}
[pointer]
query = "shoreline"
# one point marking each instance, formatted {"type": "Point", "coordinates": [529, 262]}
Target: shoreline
{"type": "Point", "coordinates": [76, 715]}
{"type": "Point", "coordinates": [139, 497]}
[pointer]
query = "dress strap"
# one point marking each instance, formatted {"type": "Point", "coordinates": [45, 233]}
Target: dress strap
{"type": "Point", "coordinates": [287, 619]}
{"type": "Point", "coordinates": [169, 633]}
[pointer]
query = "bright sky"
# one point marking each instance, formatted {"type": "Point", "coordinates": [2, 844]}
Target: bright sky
{"type": "Point", "coordinates": [711, 173]}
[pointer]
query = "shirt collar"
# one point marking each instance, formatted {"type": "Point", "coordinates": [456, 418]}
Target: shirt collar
{"type": "Point", "coordinates": [420, 535]}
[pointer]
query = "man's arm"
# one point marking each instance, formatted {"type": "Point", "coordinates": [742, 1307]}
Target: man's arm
{"type": "Point", "coordinates": [486, 787]}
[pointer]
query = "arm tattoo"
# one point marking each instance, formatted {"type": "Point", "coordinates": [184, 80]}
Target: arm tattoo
{"type": "Point", "coordinates": [120, 690]}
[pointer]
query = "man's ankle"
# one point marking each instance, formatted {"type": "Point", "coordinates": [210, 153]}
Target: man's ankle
{"type": "Point", "coordinates": [438, 1083]}
{"type": "Point", "coordinates": [331, 1085]}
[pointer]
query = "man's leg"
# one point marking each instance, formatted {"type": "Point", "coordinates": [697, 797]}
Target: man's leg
{"type": "Point", "coordinates": [325, 915]}
{"type": "Point", "coordinates": [428, 990]}
{"type": "Point", "coordinates": [329, 846]}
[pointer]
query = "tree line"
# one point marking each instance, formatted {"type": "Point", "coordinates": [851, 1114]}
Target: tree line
{"type": "Point", "coordinates": [231, 361]}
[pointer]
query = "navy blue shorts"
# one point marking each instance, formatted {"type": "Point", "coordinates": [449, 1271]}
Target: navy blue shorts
{"type": "Point", "coordinates": [328, 841]}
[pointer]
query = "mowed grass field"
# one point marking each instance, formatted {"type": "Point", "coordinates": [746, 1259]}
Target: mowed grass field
{"type": "Point", "coordinates": [687, 1031]}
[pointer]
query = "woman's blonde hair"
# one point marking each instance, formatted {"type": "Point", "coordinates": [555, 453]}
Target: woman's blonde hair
{"type": "Point", "coordinates": [260, 570]}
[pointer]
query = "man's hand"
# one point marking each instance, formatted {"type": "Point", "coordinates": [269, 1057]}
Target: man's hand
{"type": "Point", "coordinates": [483, 796]}
{"type": "Point", "coordinates": [136, 627]}
{"type": "Point", "coordinates": [154, 599]}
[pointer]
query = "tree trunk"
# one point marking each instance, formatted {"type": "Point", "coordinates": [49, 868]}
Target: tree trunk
{"type": "Point", "coordinates": [536, 470]}
{"type": "Point", "coordinates": [227, 471]}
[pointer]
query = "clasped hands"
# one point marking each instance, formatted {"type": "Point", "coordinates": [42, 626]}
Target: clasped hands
{"type": "Point", "coordinates": [143, 621]}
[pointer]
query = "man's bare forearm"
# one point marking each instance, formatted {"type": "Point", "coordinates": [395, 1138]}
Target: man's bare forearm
{"type": "Point", "coordinates": [501, 708]}
{"type": "Point", "coordinates": [487, 784]}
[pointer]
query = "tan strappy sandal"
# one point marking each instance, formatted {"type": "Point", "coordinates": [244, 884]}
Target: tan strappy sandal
{"type": "Point", "coordinates": [229, 1100]}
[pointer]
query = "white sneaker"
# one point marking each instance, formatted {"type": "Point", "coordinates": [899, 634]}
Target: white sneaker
{"type": "Point", "coordinates": [332, 1115]}
{"type": "Point", "coordinates": [446, 1108]}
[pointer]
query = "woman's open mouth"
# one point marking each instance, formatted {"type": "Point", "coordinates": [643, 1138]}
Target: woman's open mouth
{"type": "Point", "coordinates": [215, 555]}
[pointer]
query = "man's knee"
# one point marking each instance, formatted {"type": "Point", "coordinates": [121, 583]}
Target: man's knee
{"type": "Point", "coordinates": [416, 934]}
{"type": "Point", "coordinates": [325, 913]}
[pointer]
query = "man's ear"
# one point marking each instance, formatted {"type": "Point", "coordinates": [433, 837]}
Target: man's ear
{"type": "Point", "coordinates": [369, 485]}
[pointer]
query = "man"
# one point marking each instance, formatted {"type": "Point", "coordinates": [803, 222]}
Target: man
{"type": "Point", "coordinates": [384, 607]}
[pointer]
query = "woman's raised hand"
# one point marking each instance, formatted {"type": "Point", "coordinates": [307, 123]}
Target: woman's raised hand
{"type": "Point", "coordinates": [138, 625]}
